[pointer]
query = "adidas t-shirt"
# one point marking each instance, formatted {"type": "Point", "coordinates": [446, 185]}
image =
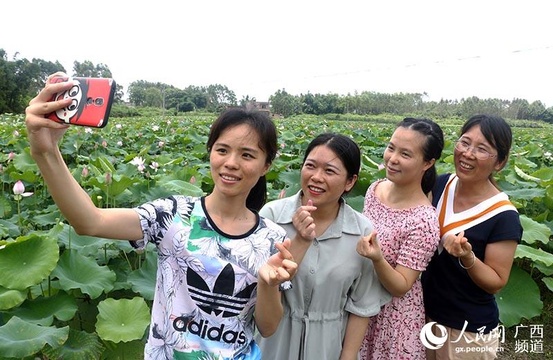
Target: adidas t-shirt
{"type": "Point", "coordinates": [206, 284]}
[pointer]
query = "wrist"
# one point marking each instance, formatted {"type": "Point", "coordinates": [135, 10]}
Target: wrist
{"type": "Point", "coordinates": [378, 260]}
{"type": "Point", "coordinates": [467, 261]}
{"type": "Point", "coordinates": [302, 240]}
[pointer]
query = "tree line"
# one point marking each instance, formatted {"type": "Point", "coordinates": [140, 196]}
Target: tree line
{"type": "Point", "coordinates": [21, 79]}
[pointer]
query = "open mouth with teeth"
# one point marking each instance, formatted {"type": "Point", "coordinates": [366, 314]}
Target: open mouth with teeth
{"type": "Point", "coordinates": [229, 178]}
{"type": "Point", "coordinates": [315, 189]}
{"type": "Point", "coordinates": [464, 165]}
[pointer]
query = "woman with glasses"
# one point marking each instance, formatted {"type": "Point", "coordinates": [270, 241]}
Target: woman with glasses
{"type": "Point", "coordinates": [480, 230]}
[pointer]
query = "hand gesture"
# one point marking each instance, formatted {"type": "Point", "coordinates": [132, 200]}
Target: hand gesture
{"type": "Point", "coordinates": [457, 245]}
{"type": "Point", "coordinates": [303, 221]}
{"type": "Point", "coordinates": [280, 267]}
{"type": "Point", "coordinates": [44, 134]}
{"type": "Point", "coordinates": [369, 247]}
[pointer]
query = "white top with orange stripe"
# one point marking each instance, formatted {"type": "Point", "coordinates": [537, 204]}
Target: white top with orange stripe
{"type": "Point", "coordinates": [453, 223]}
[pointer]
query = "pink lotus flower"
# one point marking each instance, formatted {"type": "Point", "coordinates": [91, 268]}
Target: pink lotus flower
{"type": "Point", "coordinates": [19, 189]}
{"type": "Point", "coordinates": [84, 173]}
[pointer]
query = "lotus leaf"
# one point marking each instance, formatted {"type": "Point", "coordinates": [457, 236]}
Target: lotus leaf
{"type": "Point", "coordinates": [80, 345]}
{"type": "Point", "coordinates": [143, 280]}
{"type": "Point", "coordinates": [76, 271]}
{"type": "Point", "coordinates": [122, 320]}
{"type": "Point", "coordinates": [520, 298]}
{"type": "Point", "coordinates": [19, 338]}
{"type": "Point", "coordinates": [34, 255]}
{"type": "Point", "coordinates": [10, 298]}
{"type": "Point", "coordinates": [42, 310]}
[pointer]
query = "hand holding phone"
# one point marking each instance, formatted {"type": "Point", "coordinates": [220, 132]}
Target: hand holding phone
{"type": "Point", "coordinates": [91, 101]}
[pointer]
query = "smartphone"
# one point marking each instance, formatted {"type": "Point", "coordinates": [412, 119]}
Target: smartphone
{"type": "Point", "coordinates": [91, 101]}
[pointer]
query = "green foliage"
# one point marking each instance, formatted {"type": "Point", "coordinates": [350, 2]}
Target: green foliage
{"type": "Point", "coordinates": [32, 255]}
{"type": "Point", "coordinates": [75, 285]}
{"type": "Point", "coordinates": [122, 319]}
{"type": "Point", "coordinates": [521, 289]}
{"type": "Point", "coordinates": [21, 79]}
{"type": "Point", "coordinates": [80, 345]}
{"type": "Point", "coordinates": [19, 338]}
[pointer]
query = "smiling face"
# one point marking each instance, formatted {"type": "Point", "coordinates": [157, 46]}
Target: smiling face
{"type": "Point", "coordinates": [404, 157]}
{"type": "Point", "coordinates": [237, 162]}
{"type": "Point", "coordinates": [467, 166]}
{"type": "Point", "coordinates": [324, 177]}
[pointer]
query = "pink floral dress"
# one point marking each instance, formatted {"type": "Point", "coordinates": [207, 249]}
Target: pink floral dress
{"type": "Point", "coordinates": [408, 237]}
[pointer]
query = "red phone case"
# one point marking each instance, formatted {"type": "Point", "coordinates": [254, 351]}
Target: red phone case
{"type": "Point", "coordinates": [91, 105]}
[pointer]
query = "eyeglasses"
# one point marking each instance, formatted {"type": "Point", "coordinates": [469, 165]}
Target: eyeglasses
{"type": "Point", "coordinates": [479, 153]}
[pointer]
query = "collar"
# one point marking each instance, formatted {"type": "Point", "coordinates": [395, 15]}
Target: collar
{"type": "Point", "coordinates": [346, 222]}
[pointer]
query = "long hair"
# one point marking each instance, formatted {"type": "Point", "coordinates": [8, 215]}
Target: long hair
{"type": "Point", "coordinates": [262, 124]}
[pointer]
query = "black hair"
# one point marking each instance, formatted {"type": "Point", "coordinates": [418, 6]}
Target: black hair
{"type": "Point", "coordinates": [345, 148]}
{"type": "Point", "coordinates": [262, 124]}
{"type": "Point", "coordinates": [431, 149]}
{"type": "Point", "coordinates": [496, 131]}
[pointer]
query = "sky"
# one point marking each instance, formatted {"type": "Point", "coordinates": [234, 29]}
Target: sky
{"type": "Point", "coordinates": [446, 49]}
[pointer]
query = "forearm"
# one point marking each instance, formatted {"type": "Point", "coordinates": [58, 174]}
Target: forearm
{"type": "Point", "coordinates": [299, 247]}
{"type": "Point", "coordinates": [268, 309]}
{"type": "Point", "coordinates": [355, 332]}
{"type": "Point", "coordinates": [392, 280]}
{"type": "Point", "coordinates": [482, 275]}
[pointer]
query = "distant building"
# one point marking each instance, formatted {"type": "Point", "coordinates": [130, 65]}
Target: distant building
{"type": "Point", "coordinates": [264, 106]}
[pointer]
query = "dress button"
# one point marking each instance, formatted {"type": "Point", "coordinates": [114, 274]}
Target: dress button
{"type": "Point", "coordinates": [312, 271]}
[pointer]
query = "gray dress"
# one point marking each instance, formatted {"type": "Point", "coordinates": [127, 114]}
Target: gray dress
{"type": "Point", "coordinates": [333, 280]}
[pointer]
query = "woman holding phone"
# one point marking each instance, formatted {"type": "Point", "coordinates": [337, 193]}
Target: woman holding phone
{"type": "Point", "coordinates": [220, 264]}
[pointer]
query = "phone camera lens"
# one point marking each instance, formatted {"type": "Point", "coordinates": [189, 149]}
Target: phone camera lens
{"type": "Point", "coordinates": [89, 101]}
{"type": "Point", "coordinates": [99, 101]}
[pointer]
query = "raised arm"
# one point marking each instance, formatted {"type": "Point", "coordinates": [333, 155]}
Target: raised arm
{"type": "Point", "coordinates": [399, 280]}
{"type": "Point", "coordinates": [491, 274]}
{"type": "Point", "coordinates": [76, 206]}
{"type": "Point", "coordinates": [279, 268]}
